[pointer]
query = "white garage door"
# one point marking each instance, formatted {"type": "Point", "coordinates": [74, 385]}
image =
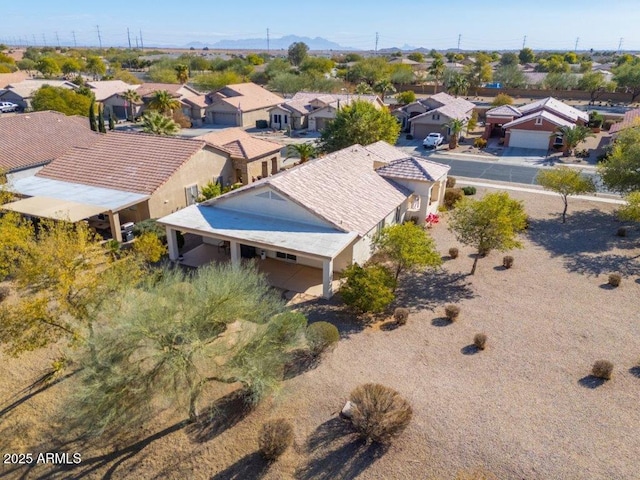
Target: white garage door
{"type": "Point", "coordinates": [529, 139]}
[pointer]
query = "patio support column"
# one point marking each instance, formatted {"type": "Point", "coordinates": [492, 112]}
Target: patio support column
{"type": "Point", "coordinates": [114, 224]}
{"type": "Point", "coordinates": [172, 244]}
{"type": "Point", "coordinates": [327, 278]}
{"type": "Point", "coordinates": [235, 253]}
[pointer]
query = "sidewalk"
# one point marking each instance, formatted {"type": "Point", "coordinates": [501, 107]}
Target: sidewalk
{"type": "Point", "coordinates": [603, 198]}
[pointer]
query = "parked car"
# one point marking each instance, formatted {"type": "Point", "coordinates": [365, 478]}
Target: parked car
{"type": "Point", "coordinates": [8, 107]}
{"type": "Point", "coordinates": [433, 140]}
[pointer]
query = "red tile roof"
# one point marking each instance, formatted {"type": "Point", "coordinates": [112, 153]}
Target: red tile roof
{"type": "Point", "coordinates": [132, 162]}
{"type": "Point", "coordinates": [31, 139]}
{"type": "Point", "coordinates": [630, 120]}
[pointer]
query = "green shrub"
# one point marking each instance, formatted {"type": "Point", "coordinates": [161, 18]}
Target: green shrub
{"type": "Point", "coordinates": [452, 312]}
{"type": "Point", "coordinates": [602, 369]}
{"type": "Point", "coordinates": [379, 413]}
{"type": "Point", "coordinates": [607, 124]}
{"type": "Point", "coordinates": [507, 261]}
{"type": "Point", "coordinates": [480, 341]}
{"type": "Point", "coordinates": [401, 315]}
{"type": "Point", "coordinates": [274, 438]}
{"type": "Point", "coordinates": [469, 190]}
{"type": "Point", "coordinates": [454, 252]}
{"type": "Point", "coordinates": [321, 335]}
{"type": "Point", "coordinates": [615, 279]}
{"type": "Point", "coordinates": [369, 289]}
{"type": "Point", "coordinates": [451, 196]}
{"type": "Point", "coordinates": [151, 225]}
{"type": "Point", "coordinates": [451, 182]}
{"type": "Point", "coordinates": [480, 143]}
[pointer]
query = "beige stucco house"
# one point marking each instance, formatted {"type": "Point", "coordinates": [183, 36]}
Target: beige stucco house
{"type": "Point", "coordinates": [252, 158]}
{"type": "Point", "coordinates": [123, 177]}
{"type": "Point", "coordinates": [323, 214]}
{"type": "Point", "coordinates": [240, 105]}
{"type": "Point", "coordinates": [432, 114]}
{"type": "Point", "coordinates": [313, 110]}
{"type": "Point", "coordinates": [21, 93]}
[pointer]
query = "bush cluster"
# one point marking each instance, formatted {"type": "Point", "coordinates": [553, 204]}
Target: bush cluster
{"type": "Point", "coordinates": [321, 335]}
{"type": "Point", "coordinates": [4, 293]}
{"type": "Point", "coordinates": [274, 438]}
{"type": "Point", "coordinates": [452, 312]}
{"type": "Point", "coordinates": [454, 252]}
{"type": "Point", "coordinates": [480, 143]}
{"type": "Point", "coordinates": [507, 261]}
{"type": "Point", "coordinates": [451, 196]}
{"type": "Point", "coordinates": [379, 413]}
{"type": "Point", "coordinates": [401, 315]}
{"type": "Point", "coordinates": [469, 190]}
{"type": "Point", "coordinates": [451, 182]}
{"type": "Point", "coordinates": [615, 279]}
{"type": "Point", "coordinates": [602, 369]}
{"type": "Point", "coordinates": [368, 289]}
{"type": "Point", "coordinates": [480, 341]}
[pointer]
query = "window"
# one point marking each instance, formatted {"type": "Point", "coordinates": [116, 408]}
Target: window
{"type": "Point", "coordinates": [286, 119]}
{"type": "Point", "coordinates": [414, 202]}
{"type": "Point", "coordinates": [191, 193]}
{"type": "Point", "coordinates": [435, 116]}
{"type": "Point", "coordinates": [398, 214]}
{"type": "Point", "coordinates": [380, 226]}
{"type": "Point", "coordinates": [539, 121]}
{"type": "Point", "coordinates": [277, 118]}
{"type": "Point", "coordinates": [286, 256]}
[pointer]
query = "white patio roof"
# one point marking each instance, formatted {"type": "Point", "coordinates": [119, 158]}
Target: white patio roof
{"type": "Point", "coordinates": [75, 193]}
{"type": "Point", "coordinates": [268, 232]}
{"type": "Point", "coordinates": [47, 207]}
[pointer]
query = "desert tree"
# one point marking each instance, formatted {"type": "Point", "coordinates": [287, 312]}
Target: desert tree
{"type": "Point", "coordinates": [621, 171]}
{"type": "Point", "coordinates": [455, 127]}
{"type": "Point", "coordinates": [163, 102]}
{"type": "Point", "coordinates": [360, 122]}
{"type": "Point", "coordinates": [182, 73]}
{"type": "Point", "coordinates": [297, 53]}
{"type": "Point", "coordinates": [492, 223]}
{"type": "Point", "coordinates": [131, 97]}
{"type": "Point", "coordinates": [572, 136]}
{"type": "Point", "coordinates": [631, 210]}
{"type": "Point", "coordinates": [158, 124]}
{"type": "Point", "coordinates": [383, 87]}
{"type": "Point", "coordinates": [176, 335]}
{"type": "Point", "coordinates": [565, 181]}
{"type": "Point", "coordinates": [304, 151]}
{"type": "Point", "coordinates": [436, 70]}
{"type": "Point", "coordinates": [408, 246]}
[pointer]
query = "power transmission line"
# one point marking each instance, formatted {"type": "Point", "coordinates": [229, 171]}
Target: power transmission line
{"type": "Point", "coordinates": [377, 38]}
{"type": "Point", "coordinates": [524, 41]}
{"type": "Point", "coordinates": [459, 38]}
{"type": "Point", "coordinates": [75, 44]}
{"type": "Point", "coordinates": [44, 40]}
{"type": "Point", "coordinates": [141, 43]}
{"type": "Point", "coordinates": [268, 49]}
{"type": "Point", "coordinates": [129, 38]}
{"type": "Point", "coordinates": [620, 45]}
{"type": "Point", "coordinates": [575, 49]}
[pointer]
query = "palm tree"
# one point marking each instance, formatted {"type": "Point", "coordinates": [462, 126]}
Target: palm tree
{"type": "Point", "coordinates": [132, 97]}
{"type": "Point", "coordinates": [436, 70]}
{"type": "Point", "coordinates": [303, 150]}
{"type": "Point", "coordinates": [455, 127]}
{"type": "Point", "coordinates": [383, 87]}
{"type": "Point", "coordinates": [572, 137]}
{"type": "Point", "coordinates": [459, 85]}
{"type": "Point", "coordinates": [163, 102]}
{"type": "Point", "coordinates": [158, 124]}
{"type": "Point", "coordinates": [182, 72]}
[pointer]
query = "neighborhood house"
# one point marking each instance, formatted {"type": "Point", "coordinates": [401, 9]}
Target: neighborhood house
{"type": "Point", "coordinates": [323, 214]}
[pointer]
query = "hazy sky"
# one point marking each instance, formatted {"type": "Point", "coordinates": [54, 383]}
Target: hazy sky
{"type": "Point", "coordinates": [483, 25]}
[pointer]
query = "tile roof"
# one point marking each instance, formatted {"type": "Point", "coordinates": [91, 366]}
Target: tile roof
{"type": "Point", "coordinates": [386, 153]}
{"type": "Point", "coordinates": [131, 162]}
{"type": "Point", "coordinates": [557, 107]}
{"type": "Point", "coordinates": [443, 98]}
{"type": "Point", "coordinates": [414, 169]}
{"type": "Point", "coordinates": [301, 101]}
{"type": "Point", "coordinates": [27, 88]}
{"type": "Point", "coordinates": [15, 77]}
{"type": "Point", "coordinates": [106, 88]}
{"type": "Point", "coordinates": [631, 119]}
{"type": "Point", "coordinates": [245, 96]}
{"type": "Point", "coordinates": [505, 111]}
{"type": "Point", "coordinates": [555, 119]}
{"type": "Point", "coordinates": [239, 143]}
{"type": "Point", "coordinates": [175, 89]}
{"type": "Point", "coordinates": [35, 138]}
{"type": "Point", "coordinates": [342, 188]}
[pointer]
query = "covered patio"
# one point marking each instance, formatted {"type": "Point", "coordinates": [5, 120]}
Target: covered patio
{"type": "Point", "coordinates": [283, 275]}
{"type": "Point", "coordinates": [294, 254]}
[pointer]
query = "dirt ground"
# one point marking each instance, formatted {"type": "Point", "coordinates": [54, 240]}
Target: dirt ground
{"type": "Point", "coordinates": [525, 407]}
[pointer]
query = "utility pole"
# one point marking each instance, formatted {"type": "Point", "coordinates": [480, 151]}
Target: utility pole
{"type": "Point", "coordinates": [129, 38]}
{"type": "Point", "coordinates": [44, 40]}
{"type": "Point", "coordinates": [57, 40]}
{"type": "Point", "coordinates": [34, 39]}
{"type": "Point", "coordinates": [99, 37]}
{"type": "Point", "coordinates": [620, 45]}
{"type": "Point", "coordinates": [268, 43]}
{"type": "Point", "coordinates": [136, 42]}
{"type": "Point", "coordinates": [141, 42]}
{"type": "Point", "coordinates": [75, 44]}
{"type": "Point", "coordinates": [377, 38]}
{"type": "Point", "coordinates": [459, 38]}
{"type": "Point", "coordinates": [524, 41]}
{"type": "Point", "coordinates": [575, 49]}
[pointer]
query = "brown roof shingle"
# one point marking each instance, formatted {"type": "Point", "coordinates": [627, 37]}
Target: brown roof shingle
{"type": "Point", "coordinates": [245, 97]}
{"type": "Point", "coordinates": [239, 143]}
{"type": "Point", "coordinates": [31, 139]}
{"type": "Point", "coordinates": [132, 162]}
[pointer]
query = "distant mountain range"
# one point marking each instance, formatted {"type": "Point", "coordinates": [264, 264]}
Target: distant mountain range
{"type": "Point", "coordinates": [317, 43]}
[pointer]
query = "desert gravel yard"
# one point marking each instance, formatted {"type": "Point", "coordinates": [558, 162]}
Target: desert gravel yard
{"type": "Point", "coordinates": [524, 408]}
